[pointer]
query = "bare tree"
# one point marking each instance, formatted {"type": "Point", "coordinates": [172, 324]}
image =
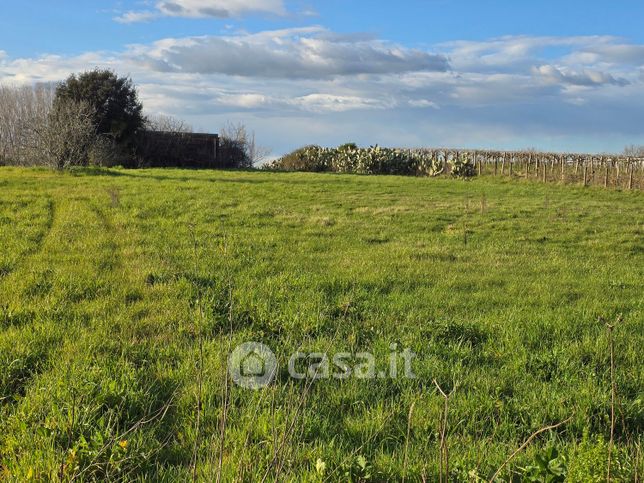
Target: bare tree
{"type": "Point", "coordinates": [164, 123]}
{"type": "Point", "coordinates": [24, 114]}
{"type": "Point", "coordinates": [634, 150]}
{"type": "Point", "coordinates": [239, 148]}
{"type": "Point", "coordinates": [32, 132]}
{"type": "Point", "coordinates": [105, 151]}
{"type": "Point", "coordinates": [7, 127]}
{"type": "Point", "coordinates": [68, 135]}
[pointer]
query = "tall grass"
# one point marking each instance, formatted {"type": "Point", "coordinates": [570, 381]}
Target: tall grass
{"type": "Point", "coordinates": [122, 292]}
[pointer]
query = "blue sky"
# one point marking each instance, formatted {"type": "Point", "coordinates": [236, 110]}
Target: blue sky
{"type": "Point", "coordinates": [565, 75]}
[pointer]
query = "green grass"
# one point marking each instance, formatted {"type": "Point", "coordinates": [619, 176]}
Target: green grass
{"type": "Point", "coordinates": [123, 292]}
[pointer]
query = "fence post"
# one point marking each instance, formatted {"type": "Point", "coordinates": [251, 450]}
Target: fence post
{"type": "Point", "coordinates": [217, 160]}
{"type": "Point", "coordinates": [527, 166]}
{"type": "Point", "coordinates": [585, 173]}
{"type": "Point", "coordinates": [630, 175]}
{"type": "Point", "coordinates": [537, 166]}
{"type": "Point", "coordinates": [606, 173]}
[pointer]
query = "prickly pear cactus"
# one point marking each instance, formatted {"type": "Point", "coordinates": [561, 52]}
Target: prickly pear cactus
{"type": "Point", "coordinates": [462, 167]}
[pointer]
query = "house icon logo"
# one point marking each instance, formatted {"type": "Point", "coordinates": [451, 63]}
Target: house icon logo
{"type": "Point", "coordinates": [252, 365]}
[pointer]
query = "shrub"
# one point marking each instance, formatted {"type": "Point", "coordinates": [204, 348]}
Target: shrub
{"type": "Point", "coordinates": [106, 153]}
{"type": "Point", "coordinates": [431, 164]}
{"type": "Point", "coordinates": [309, 158]}
{"type": "Point", "coordinates": [68, 135]}
{"type": "Point", "coordinates": [462, 167]}
{"type": "Point", "coordinates": [237, 147]}
{"type": "Point", "coordinates": [548, 466]}
{"type": "Point", "coordinates": [589, 462]}
{"type": "Point", "coordinates": [348, 158]}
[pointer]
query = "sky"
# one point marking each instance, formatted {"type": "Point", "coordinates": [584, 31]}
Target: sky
{"type": "Point", "coordinates": [563, 75]}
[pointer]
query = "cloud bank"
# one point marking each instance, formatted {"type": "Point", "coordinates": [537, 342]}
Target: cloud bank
{"type": "Point", "coordinates": [311, 53]}
{"type": "Point", "coordinates": [311, 85]}
{"type": "Point", "coordinates": [204, 9]}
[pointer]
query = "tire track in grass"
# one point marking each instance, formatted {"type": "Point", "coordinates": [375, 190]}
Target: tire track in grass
{"type": "Point", "coordinates": [35, 245]}
{"type": "Point", "coordinates": [61, 313]}
{"type": "Point", "coordinates": [24, 340]}
{"type": "Point", "coordinates": [135, 343]}
{"type": "Point", "coordinates": [12, 309]}
{"type": "Point", "coordinates": [49, 223]}
{"type": "Point", "coordinates": [38, 314]}
{"type": "Point", "coordinates": [109, 378]}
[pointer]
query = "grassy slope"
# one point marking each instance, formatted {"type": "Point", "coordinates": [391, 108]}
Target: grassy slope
{"type": "Point", "coordinates": [116, 287]}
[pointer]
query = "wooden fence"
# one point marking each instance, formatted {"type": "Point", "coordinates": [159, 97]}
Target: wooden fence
{"type": "Point", "coordinates": [609, 171]}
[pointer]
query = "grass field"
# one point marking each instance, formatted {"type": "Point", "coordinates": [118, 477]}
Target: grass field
{"type": "Point", "coordinates": [123, 292]}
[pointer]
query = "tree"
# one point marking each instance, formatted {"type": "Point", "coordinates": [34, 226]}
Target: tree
{"type": "Point", "coordinates": [118, 114]}
{"type": "Point", "coordinates": [32, 133]}
{"type": "Point", "coordinates": [238, 148]}
{"type": "Point", "coordinates": [633, 150]}
{"type": "Point", "coordinates": [169, 124]}
{"type": "Point", "coordinates": [24, 119]}
{"type": "Point", "coordinates": [68, 135]}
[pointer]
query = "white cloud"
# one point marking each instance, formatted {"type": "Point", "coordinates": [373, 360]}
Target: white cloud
{"type": "Point", "coordinates": [516, 53]}
{"type": "Point", "coordinates": [423, 103]}
{"type": "Point", "coordinates": [311, 52]}
{"type": "Point", "coordinates": [586, 77]}
{"type": "Point", "coordinates": [614, 53]}
{"type": "Point", "coordinates": [321, 102]}
{"type": "Point", "coordinates": [134, 17]}
{"type": "Point", "coordinates": [245, 101]}
{"type": "Point", "coordinates": [205, 8]}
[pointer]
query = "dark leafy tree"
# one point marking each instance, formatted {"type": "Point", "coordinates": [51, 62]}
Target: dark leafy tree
{"type": "Point", "coordinates": [118, 114]}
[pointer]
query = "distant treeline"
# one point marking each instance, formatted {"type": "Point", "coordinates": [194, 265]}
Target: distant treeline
{"type": "Point", "coordinates": [95, 119]}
